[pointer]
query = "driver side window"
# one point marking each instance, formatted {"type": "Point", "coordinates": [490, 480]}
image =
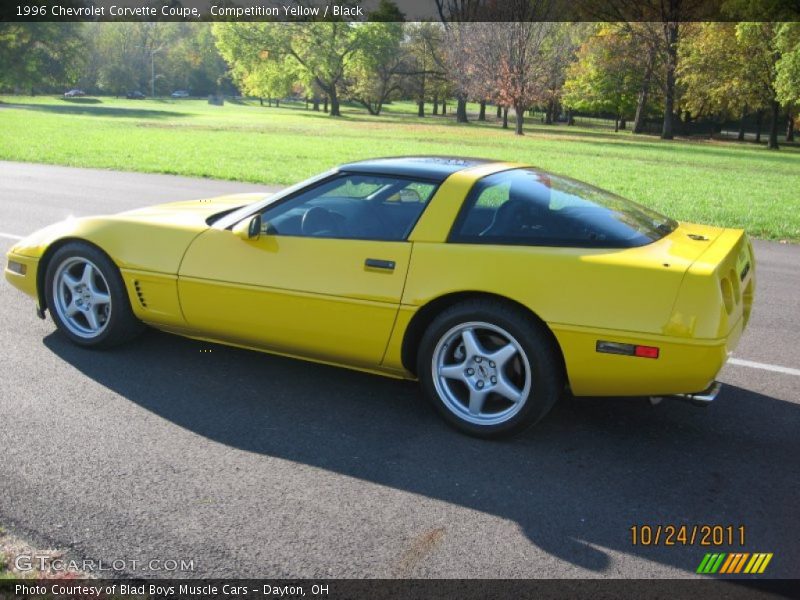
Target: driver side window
{"type": "Point", "coordinates": [353, 206]}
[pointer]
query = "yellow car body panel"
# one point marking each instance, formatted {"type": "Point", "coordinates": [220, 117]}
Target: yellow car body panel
{"type": "Point", "coordinates": [689, 293]}
{"type": "Point", "coordinates": [301, 295]}
{"type": "Point", "coordinates": [436, 221]}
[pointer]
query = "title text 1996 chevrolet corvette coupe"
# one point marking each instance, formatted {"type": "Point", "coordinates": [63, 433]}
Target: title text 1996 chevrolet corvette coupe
{"type": "Point", "coordinates": [495, 284]}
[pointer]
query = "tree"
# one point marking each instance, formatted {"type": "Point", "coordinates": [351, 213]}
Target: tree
{"type": "Point", "coordinates": [458, 39]}
{"type": "Point", "coordinates": [558, 51]}
{"type": "Point", "coordinates": [321, 50]}
{"type": "Point", "coordinates": [40, 56]}
{"type": "Point", "coordinates": [607, 74]}
{"type": "Point", "coordinates": [787, 81]}
{"type": "Point", "coordinates": [169, 56]}
{"type": "Point", "coordinates": [271, 79]}
{"type": "Point", "coordinates": [191, 61]}
{"type": "Point", "coordinates": [425, 71]}
{"type": "Point", "coordinates": [375, 72]}
{"type": "Point", "coordinates": [503, 62]}
{"type": "Point", "coordinates": [717, 73]}
{"type": "Point", "coordinates": [760, 44]}
{"type": "Point", "coordinates": [658, 25]}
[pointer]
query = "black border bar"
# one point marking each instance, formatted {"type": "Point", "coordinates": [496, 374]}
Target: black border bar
{"type": "Point", "coordinates": [399, 589]}
{"type": "Point", "coordinates": [447, 11]}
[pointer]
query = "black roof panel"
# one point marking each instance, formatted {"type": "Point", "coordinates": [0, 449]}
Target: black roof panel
{"type": "Point", "coordinates": [436, 168]}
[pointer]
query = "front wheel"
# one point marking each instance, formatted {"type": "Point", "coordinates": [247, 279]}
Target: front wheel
{"type": "Point", "coordinates": [489, 369]}
{"type": "Point", "coordinates": [87, 298]}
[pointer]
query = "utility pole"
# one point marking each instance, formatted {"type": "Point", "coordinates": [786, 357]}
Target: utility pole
{"type": "Point", "coordinates": [152, 69]}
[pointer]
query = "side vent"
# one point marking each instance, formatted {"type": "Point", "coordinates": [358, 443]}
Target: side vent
{"type": "Point", "coordinates": [139, 293]}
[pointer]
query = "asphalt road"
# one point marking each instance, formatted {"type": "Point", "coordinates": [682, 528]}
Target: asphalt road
{"type": "Point", "coordinates": [252, 465]}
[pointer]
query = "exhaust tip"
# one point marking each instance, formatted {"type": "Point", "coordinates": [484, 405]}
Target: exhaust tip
{"type": "Point", "coordinates": [703, 398]}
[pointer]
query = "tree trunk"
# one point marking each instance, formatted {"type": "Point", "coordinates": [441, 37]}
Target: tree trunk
{"type": "Point", "coordinates": [261, 101]}
{"type": "Point", "coordinates": [325, 104]}
{"type": "Point", "coordinates": [277, 103]}
{"type": "Point", "coordinates": [667, 131]}
{"type": "Point", "coordinates": [334, 103]}
{"type": "Point", "coordinates": [482, 113]}
{"type": "Point", "coordinates": [505, 117]}
{"type": "Point", "coordinates": [644, 92]}
{"type": "Point", "coordinates": [616, 124]}
{"type": "Point", "coordinates": [740, 136]}
{"type": "Point", "coordinates": [519, 111]}
{"type": "Point", "coordinates": [759, 119]}
{"type": "Point", "coordinates": [772, 144]}
{"type": "Point", "coordinates": [269, 102]}
{"type": "Point", "coordinates": [623, 123]}
{"type": "Point", "coordinates": [548, 113]}
{"type": "Point", "coordinates": [499, 112]}
{"type": "Point", "coordinates": [306, 102]}
{"type": "Point", "coordinates": [370, 109]}
{"type": "Point", "coordinates": [315, 103]}
{"type": "Point", "coordinates": [790, 127]}
{"type": "Point", "coordinates": [461, 111]}
{"type": "Point", "coordinates": [435, 104]}
{"type": "Point", "coordinates": [570, 117]}
{"type": "Point", "coordinates": [420, 108]}
{"type": "Point", "coordinates": [444, 106]}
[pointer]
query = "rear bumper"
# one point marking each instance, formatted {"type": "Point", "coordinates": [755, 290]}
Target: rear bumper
{"type": "Point", "coordinates": [682, 367]}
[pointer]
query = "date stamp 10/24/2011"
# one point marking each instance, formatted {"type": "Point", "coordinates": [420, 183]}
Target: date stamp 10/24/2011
{"type": "Point", "coordinates": [688, 535]}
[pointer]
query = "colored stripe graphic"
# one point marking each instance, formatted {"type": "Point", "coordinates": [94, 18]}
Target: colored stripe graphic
{"type": "Point", "coordinates": [731, 563]}
{"type": "Point", "coordinates": [711, 563]}
{"type": "Point", "coordinates": [751, 564]}
{"type": "Point", "coordinates": [703, 564]}
{"type": "Point", "coordinates": [734, 563]}
{"type": "Point", "coordinates": [732, 558]}
{"type": "Point", "coordinates": [765, 563]}
{"type": "Point", "coordinates": [741, 562]}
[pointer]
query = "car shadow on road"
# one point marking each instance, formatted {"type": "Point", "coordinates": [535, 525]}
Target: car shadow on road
{"type": "Point", "coordinates": [574, 485]}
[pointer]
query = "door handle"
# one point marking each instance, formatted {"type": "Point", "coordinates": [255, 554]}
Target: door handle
{"type": "Point", "coordinates": [376, 263]}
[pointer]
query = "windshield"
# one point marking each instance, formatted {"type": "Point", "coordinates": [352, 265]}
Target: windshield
{"type": "Point", "coordinates": [529, 207]}
{"type": "Point", "coordinates": [231, 218]}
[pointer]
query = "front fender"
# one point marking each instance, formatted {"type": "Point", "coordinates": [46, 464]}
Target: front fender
{"type": "Point", "coordinates": [131, 244]}
{"type": "Point", "coordinates": [153, 250]}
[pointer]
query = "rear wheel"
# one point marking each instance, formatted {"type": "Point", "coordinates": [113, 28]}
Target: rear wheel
{"type": "Point", "coordinates": [87, 298]}
{"type": "Point", "coordinates": [489, 369]}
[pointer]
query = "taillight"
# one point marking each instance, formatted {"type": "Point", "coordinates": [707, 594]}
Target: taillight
{"type": "Point", "coordinates": [646, 351]}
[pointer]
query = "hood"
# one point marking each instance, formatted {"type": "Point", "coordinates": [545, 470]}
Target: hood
{"type": "Point", "coordinates": [150, 239]}
{"type": "Point", "coordinates": [189, 212]}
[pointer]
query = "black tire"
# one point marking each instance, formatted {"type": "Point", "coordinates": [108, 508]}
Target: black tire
{"type": "Point", "coordinates": [120, 324]}
{"type": "Point", "coordinates": [538, 346]}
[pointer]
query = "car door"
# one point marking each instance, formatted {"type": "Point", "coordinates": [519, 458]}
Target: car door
{"type": "Point", "coordinates": [324, 280]}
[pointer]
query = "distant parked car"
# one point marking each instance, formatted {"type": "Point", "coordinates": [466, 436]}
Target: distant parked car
{"type": "Point", "coordinates": [180, 94]}
{"type": "Point", "coordinates": [74, 93]}
{"type": "Point", "coordinates": [135, 95]}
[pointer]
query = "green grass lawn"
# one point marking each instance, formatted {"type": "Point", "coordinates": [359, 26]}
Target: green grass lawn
{"type": "Point", "coordinates": [723, 183]}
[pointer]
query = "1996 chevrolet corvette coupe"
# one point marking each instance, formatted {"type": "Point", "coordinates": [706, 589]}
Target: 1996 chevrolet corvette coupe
{"type": "Point", "coordinates": [497, 285]}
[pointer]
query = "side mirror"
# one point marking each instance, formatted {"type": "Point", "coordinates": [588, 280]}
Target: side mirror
{"type": "Point", "coordinates": [248, 229]}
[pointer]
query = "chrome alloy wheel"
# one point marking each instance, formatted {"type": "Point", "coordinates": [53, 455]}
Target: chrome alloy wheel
{"type": "Point", "coordinates": [81, 297]}
{"type": "Point", "coordinates": [481, 373]}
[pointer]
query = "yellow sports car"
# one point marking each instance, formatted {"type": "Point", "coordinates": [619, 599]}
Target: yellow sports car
{"type": "Point", "coordinates": [497, 285]}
